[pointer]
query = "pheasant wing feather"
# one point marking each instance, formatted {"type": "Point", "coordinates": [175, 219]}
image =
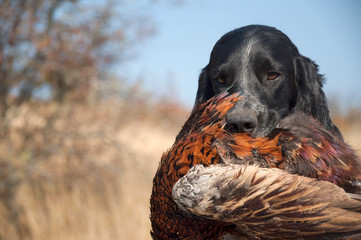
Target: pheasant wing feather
{"type": "Point", "coordinates": [267, 203]}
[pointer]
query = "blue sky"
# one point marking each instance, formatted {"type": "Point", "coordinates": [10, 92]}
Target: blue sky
{"type": "Point", "coordinates": [327, 31]}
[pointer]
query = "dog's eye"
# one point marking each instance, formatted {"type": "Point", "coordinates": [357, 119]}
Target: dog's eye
{"type": "Point", "coordinates": [221, 80]}
{"type": "Point", "coordinates": [272, 75]}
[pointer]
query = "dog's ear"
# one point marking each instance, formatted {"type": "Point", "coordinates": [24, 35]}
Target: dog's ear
{"type": "Point", "coordinates": [311, 99]}
{"type": "Point", "coordinates": [205, 90]}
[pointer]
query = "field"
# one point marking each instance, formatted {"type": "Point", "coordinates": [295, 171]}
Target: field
{"type": "Point", "coordinates": [84, 171]}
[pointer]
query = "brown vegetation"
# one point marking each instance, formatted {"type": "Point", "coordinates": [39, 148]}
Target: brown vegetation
{"type": "Point", "coordinates": [66, 161]}
{"type": "Point", "coordinates": [88, 175]}
{"type": "Point", "coordinates": [349, 122]}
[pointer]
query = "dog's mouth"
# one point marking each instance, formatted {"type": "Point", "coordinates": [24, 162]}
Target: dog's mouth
{"type": "Point", "coordinates": [268, 123]}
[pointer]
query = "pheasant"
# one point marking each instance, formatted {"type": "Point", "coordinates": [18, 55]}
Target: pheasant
{"type": "Point", "coordinates": [256, 188]}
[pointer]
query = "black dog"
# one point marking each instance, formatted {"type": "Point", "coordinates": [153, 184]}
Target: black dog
{"type": "Point", "coordinates": [274, 78]}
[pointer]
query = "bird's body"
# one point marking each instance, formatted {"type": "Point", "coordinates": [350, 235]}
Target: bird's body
{"type": "Point", "coordinates": [299, 147]}
{"type": "Point", "coordinates": [168, 221]}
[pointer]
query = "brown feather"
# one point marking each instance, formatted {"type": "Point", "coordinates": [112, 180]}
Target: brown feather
{"type": "Point", "coordinates": [299, 149]}
{"type": "Point", "coordinates": [268, 203]}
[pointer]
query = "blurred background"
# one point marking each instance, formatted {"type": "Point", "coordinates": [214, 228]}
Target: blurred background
{"type": "Point", "coordinates": [92, 93]}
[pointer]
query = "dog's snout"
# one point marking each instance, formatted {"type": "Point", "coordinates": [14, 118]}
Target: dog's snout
{"type": "Point", "coordinates": [242, 122]}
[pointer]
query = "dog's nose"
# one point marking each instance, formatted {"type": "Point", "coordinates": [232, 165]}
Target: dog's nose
{"type": "Point", "coordinates": [241, 122]}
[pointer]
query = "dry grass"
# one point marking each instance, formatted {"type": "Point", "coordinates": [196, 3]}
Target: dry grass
{"type": "Point", "coordinates": [350, 126]}
{"type": "Point", "coordinates": [85, 172]}
{"type": "Point", "coordinates": [88, 176]}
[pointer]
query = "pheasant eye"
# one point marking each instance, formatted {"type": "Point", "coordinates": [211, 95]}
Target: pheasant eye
{"type": "Point", "coordinates": [221, 80]}
{"type": "Point", "coordinates": [272, 75]}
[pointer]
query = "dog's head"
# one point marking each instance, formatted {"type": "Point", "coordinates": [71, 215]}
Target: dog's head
{"type": "Point", "coordinates": [264, 65]}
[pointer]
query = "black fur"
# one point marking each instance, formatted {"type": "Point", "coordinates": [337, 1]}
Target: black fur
{"type": "Point", "coordinates": [263, 64]}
